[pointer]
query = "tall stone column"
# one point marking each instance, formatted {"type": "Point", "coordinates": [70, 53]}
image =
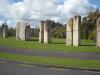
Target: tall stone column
{"type": "Point", "coordinates": [17, 30]}
{"type": "Point", "coordinates": [47, 31]}
{"type": "Point", "coordinates": [5, 30]}
{"type": "Point", "coordinates": [69, 32]}
{"type": "Point", "coordinates": [23, 31]}
{"type": "Point", "coordinates": [41, 32]}
{"type": "Point", "coordinates": [76, 30]}
{"type": "Point", "coordinates": [98, 33]}
{"type": "Point", "coordinates": [27, 32]}
{"type": "Point", "coordinates": [4, 33]}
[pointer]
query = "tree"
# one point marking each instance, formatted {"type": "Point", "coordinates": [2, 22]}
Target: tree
{"type": "Point", "coordinates": [58, 30]}
{"type": "Point", "coordinates": [11, 32]}
{"type": "Point", "coordinates": [89, 25]}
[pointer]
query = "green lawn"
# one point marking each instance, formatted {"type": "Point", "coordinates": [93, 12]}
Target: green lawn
{"type": "Point", "coordinates": [69, 62]}
{"type": "Point", "coordinates": [56, 45]}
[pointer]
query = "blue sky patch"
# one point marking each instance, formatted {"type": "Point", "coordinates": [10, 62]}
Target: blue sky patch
{"type": "Point", "coordinates": [15, 1]}
{"type": "Point", "coordinates": [95, 2]}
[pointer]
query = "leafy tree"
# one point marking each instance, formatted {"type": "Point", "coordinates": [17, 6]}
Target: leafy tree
{"type": "Point", "coordinates": [58, 30]}
{"type": "Point", "coordinates": [11, 32]}
{"type": "Point", "coordinates": [89, 25]}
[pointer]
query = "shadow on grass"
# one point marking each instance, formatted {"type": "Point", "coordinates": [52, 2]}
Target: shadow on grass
{"type": "Point", "coordinates": [88, 45]}
{"type": "Point", "coordinates": [33, 40]}
{"type": "Point", "coordinates": [57, 43]}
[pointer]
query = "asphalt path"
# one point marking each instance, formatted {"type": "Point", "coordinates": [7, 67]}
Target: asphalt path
{"type": "Point", "coordinates": [7, 68]}
{"type": "Point", "coordinates": [32, 52]}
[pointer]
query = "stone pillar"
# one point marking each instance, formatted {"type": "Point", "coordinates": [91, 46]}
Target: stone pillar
{"type": "Point", "coordinates": [47, 31]}
{"type": "Point", "coordinates": [17, 30]}
{"type": "Point", "coordinates": [41, 32]}
{"type": "Point", "coordinates": [4, 33]}
{"type": "Point", "coordinates": [76, 30]}
{"type": "Point", "coordinates": [69, 32]}
{"type": "Point", "coordinates": [27, 33]}
{"type": "Point", "coordinates": [5, 30]}
{"type": "Point", "coordinates": [98, 33]}
{"type": "Point", "coordinates": [23, 31]}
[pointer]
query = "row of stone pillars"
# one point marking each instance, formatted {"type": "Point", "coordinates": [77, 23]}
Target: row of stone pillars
{"type": "Point", "coordinates": [45, 31]}
{"type": "Point", "coordinates": [73, 31]}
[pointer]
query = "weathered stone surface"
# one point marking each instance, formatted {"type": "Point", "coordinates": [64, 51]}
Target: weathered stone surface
{"type": "Point", "coordinates": [98, 33]}
{"type": "Point", "coordinates": [18, 31]}
{"type": "Point", "coordinates": [41, 32]}
{"type": "Point", "coordinates": [27, 32]}
{"type": "Point", "coordinates": [69, 32]}
{"type": "Point", "coordinates": [23, 31]}
{"type": "Point", "coordinates": [76, 30]}
{"type": "Point", "coordinates": [5, 30]}
{"type": "Point", "coordinates": [47, 31]}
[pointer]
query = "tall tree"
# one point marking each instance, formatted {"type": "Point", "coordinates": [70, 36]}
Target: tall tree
{"type": "Point", "coordinates": [89, 25]}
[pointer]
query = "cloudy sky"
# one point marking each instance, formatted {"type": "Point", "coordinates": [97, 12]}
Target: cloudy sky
{"type": "Point", "coordinates": [37, 10]}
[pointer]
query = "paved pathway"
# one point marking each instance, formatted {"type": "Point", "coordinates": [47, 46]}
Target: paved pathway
{"type": "Point", "coordinates": [80, 55]}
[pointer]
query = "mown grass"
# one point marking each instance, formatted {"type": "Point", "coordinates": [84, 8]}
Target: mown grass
{"type": "Point", "coordinates": [68, 62]}
{"type": "Point", "coordinates": [56, 45]}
